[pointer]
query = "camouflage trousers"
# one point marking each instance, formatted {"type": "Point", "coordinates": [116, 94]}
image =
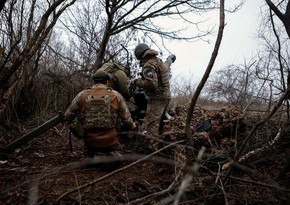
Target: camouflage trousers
{"type": "Point", "coordinates": [153, 120]}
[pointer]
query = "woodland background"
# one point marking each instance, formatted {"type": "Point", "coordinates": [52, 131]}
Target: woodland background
{"type": "Point", "coordinates": [50, 49]}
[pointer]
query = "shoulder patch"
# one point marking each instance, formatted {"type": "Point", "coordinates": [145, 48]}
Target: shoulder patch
{"type": "Point", "coordinates": [149, 73]}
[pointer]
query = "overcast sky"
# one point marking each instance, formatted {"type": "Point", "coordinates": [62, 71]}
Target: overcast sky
{"type": "Point", "coordinates": [238, 43]}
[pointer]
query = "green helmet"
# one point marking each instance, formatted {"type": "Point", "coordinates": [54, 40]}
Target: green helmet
{"type": "Point", "coordinates": [140, 49]}
{"type": "Point", "coordinates": [101, 75]}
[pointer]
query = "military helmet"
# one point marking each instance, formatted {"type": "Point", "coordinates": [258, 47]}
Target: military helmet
{"type": "Point", "coordinates": [101, 75]}
{"type": "Point", "coordinates": [140, 49]}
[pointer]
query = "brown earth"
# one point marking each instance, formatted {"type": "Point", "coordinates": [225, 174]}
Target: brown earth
{"type": "Point", "coordinates": [47, 171]}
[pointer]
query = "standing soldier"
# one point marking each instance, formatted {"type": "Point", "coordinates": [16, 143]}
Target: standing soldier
{"type": "Point", "coordinates": [100, 107]}
{"type": "Point", "coordinates": [155, 80]}
{"type": "Point", "coordinates": [119, 80]}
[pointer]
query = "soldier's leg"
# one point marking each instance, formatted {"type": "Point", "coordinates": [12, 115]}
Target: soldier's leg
{"type": "Point", "coordinates": [165, 104]}
{"type": "Point", "coordinates": [155, 110]}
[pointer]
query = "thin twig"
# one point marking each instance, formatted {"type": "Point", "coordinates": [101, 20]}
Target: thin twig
{"type": "Point", "coordinates": [189, 177]}
{"type": "Point", "coordinates": [224, 192]}
{"type": "Point", "coordinates": [253, 131]}
{"type": "Point", "coordinates": [114, 172]}
{"type": "Point", "coordinates": [249, 181]}
{"type": "Point", "coordinates": [254, 152]}
{"type": "Point", "coordinates": [137, 201]}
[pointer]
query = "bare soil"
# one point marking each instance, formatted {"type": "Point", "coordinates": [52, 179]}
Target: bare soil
{"type": "Point", "coordinates": [47, 170]}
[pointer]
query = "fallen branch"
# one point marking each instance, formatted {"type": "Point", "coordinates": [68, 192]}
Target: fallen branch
{"type": "Point", "coordinates": [189, 177]}
{"type": "Point", "coordinates": [137, 201]}
{"type": "Point", "coordinates": [255, 152]}
{"type": "Point", "coordinates": [247, 180]}
{"type": "Point", "coordinates": [260, 183]}
{"type": "Point", "coordinates": [113, 172]}
{"type": "Point", "coordinates": [253, 131]}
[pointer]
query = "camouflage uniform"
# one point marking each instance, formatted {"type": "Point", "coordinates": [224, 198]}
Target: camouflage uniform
{"type": "Point", "coordinates": [155, 80]}
{"type": "Point", "coordinates": [119, 81]}
{"type": "Point", "coordinates": [105, 140]}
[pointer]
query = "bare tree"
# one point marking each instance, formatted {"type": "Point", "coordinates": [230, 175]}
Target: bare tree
{"type": "Point", "coordinates": [103, 33]}
{"type": "Point", "coordinates": [277, 63]}
{"type": "Point", "coordinates": [85, 31]}
{"type": "Point", "coordinates": [135, 17]}
{"type": "Point", "coordinates": [264, 76]}
{"type": "Point", "coordinates": [188, 130]}
{"type": "Point", "coordinates": [24, 32]}
{"type": "Point", "coordinates": [2, 4]}
{"type": "Point", "coordinates": [241, 85]}
{"type": "Point", "coordinates": [283, 16]}
{"type": "Point", "coordinates": [274, 35]}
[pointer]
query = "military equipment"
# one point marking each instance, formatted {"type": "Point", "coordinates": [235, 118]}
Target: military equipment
{"type": "Point", "coordinates": [98, 112]}
{"type": "Point", "coordinates": [140, 49]}
{"type": "Point", "coordinates": [128, 64]}
{"type": "Point", "coordinates": [35, 132]}
{"type": "Point", "coordinates": [204, 126]}
{"type": "Point", "coordinates": [101, 75]}
{"type": "Point", "coordinates": [138, 113]}
{"type": "Point", "coordinates": [112, 68]}
{"type": "Point", "coordinates": [141, 99]}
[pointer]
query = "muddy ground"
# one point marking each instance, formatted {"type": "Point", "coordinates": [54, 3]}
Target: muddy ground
{"type": "Point", "coordinates": [52, 170]}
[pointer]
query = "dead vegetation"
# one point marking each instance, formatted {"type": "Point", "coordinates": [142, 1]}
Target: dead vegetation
{"type": "Point", "coordinates": [46, 171]}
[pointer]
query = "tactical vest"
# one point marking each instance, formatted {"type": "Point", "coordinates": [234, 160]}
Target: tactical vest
{"type": "Point", "coordinates": [99, 108]}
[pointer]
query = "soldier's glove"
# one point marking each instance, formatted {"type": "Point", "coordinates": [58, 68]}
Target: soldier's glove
{"type": "Point", "coordinates": [132, 89]}
{"type": "Point", "coordinates": [172, 57]}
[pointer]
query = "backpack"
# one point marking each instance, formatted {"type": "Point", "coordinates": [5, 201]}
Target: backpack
{"type": "Point", "coordinates": [112, 68]}
{"type": "Point", "coordinates": [98, 112]}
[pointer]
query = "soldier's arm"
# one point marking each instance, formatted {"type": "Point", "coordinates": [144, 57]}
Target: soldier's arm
{"type": "Point", "coordinates": [149, 80]}
{"type": "Point", "coordinates": [73, 109]}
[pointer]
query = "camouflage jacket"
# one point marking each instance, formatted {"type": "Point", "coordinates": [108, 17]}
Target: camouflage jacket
{"type": "Point", "coordinates": [155, 78]}
{"type": "Point", "coordinates": [102, 138]}
{"type": "Point", "coordinates": [119, 81]}
{"type": "Point", "coordinates": [119, 110]}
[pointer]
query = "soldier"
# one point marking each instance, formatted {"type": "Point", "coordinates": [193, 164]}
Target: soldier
{"type": "Point", "coordinates": [100, 107]}
{"type": "Point", "coordinates": [155, 80]}
{"type": "Point", "coordinates": [119, 80]}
